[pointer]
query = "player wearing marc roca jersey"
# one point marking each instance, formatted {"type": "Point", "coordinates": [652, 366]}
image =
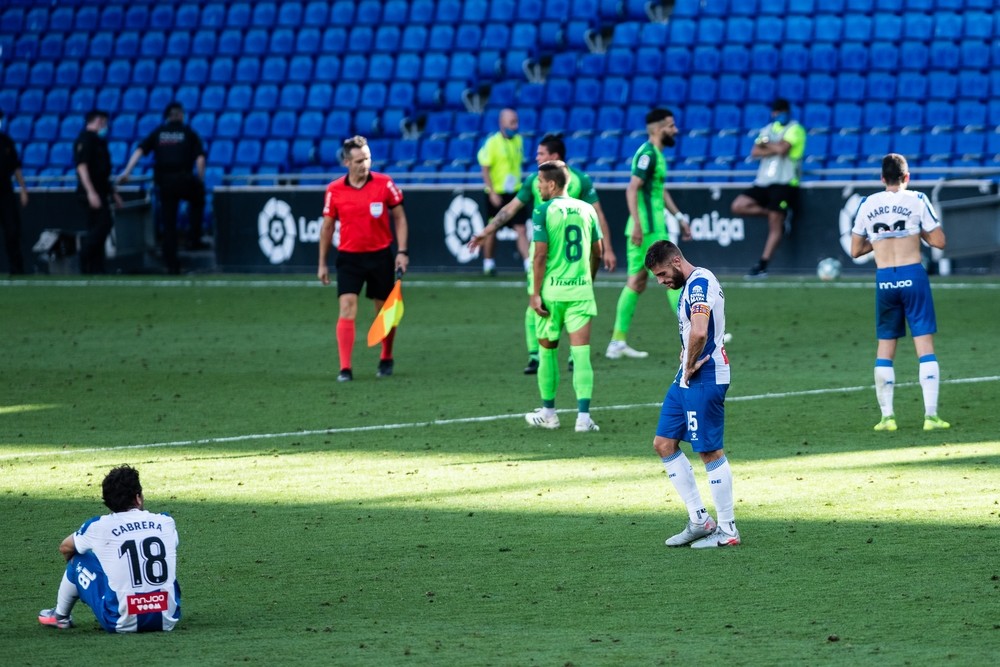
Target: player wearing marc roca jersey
{"type": "Point", "coordinates": [567, 249]}
{"type": "Point", "coordinates": [694, 407]}
{"type": "Point", "coordinates": [123, 565]}
{"type": "Point", "coordinates": [363, 202]}
{"type": "Point", "coordinates": [891, 224]}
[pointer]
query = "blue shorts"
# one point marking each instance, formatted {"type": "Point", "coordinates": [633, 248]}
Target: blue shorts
{"type": "Point", "coordinates": [903, 295]}
{"type": "Point", "coordinates": [696, 414]}
{"type": "Point", "coordinates": [86, 572]}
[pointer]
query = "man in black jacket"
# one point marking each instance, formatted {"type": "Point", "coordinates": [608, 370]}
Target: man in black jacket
{"type": "Point", "coordinates": [10, 214]}
{"type": "Point", "coordinates": [95, 189]}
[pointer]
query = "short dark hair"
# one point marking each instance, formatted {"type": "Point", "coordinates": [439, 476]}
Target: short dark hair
{"type": "Point", "coordinates": [781, 104]}
{"type": "Point", "coordinates": [94, 114]}
{"type": "Point", "coordinates": [660, 253]}
{"type": "Point", "coordinates": [554, 143]}
{"type": "Point", "coordinates": [894, 169]}
{"type": "Point", "coordinates": [658, 114]}
{"type": "Point", "coordinates": [120, 487]}
{"type": "Point", "coordinates": [555, 171]}
{"type": "Point", "coordinates": [171, 108]}
{"type": "Point", "coordinates": [357, 141]}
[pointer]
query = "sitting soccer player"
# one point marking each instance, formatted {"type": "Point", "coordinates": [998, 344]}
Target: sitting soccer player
{"type": "Point", "coordinates": [123, 565]}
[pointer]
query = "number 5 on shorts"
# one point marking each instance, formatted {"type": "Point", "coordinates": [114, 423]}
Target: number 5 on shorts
{"type": "Point", "coordinates": [692, 421]}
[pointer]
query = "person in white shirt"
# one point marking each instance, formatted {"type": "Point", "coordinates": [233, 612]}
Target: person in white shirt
{"type": "Point", "coordinates": [122, 565]}
{"type": "Point", "coordinates": [892, 224]}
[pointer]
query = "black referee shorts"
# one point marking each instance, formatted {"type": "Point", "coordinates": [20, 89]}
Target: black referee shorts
{"type": "Point", "coordinates": [374, 269]}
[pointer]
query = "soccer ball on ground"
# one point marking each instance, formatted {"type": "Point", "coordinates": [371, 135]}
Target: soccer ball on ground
{"type": "Point", "coordinates": [828, 269]}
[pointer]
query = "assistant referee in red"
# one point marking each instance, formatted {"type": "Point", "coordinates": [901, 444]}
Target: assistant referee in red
{"type": "Point", "coordinates": [362, 201]}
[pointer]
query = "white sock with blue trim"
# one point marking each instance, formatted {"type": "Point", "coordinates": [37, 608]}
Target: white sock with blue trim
{"type": "Point", "coordinates": [885, 384]}
{"type": "Point", "coordinates": [681, 475]}
{"type": "Point", "coordinates": [930, 382]}
{"type": "Point", "coordinates": [66, 597]}
{"type": "Point", "coordinates": [720, 481]}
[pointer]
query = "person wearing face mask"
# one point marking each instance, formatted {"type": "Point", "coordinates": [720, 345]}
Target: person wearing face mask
{"type": "Point", "coordinates": [95, 188]}
{"type": "Point", "coordinates": [10, 214]}
{"type": "Point", "coordinates": [500, 159]}
{"type": "Point", "coordinates": [775, 191]}
{"type": "Point", "coordinates": [648, 202]}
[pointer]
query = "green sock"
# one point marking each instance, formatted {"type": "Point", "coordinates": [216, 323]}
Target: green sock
{"type": "Point", "coordinates": [583, 376]}
{"type": "Point", "coordinates": [548, 375]}
{"type": "Point", "coordinates": [530, 337]}
{"type": "Point", "coordinates": [674, 295]}
{"type": "Point", "coordinates": [623, 315]}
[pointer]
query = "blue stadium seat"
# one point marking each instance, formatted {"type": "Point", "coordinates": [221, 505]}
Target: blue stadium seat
{"type": "Point", "coordinates": [152, 44]}
{"type": "Point", "coordinates": [264, 14]}
{"type": "Point", "coordinates": [885, 56]}
{"type": "Point", "coordinates": [81, 101]}
{"type": "Point", "coordinates": [724, 145]}
{"type": "Point", "coordinates": [850, 86]}
{"type": "Point", "coordinates": [649, 60]}
{"type": "Point", "coordinates": [791, 87]}
{"type": "Point", "coordinates": [735, 59]}
{"type": "Point", "coordinates": [761, 88]}
{"type": "Point", "coordinates": [77, 45]}
{"type": "Point", "coordinates": [696, 118]}
{"type": "Point", "coordinates": [256, 124]}
{"type": "Point", "coordinates": [148, 122]}
{"type": "Point", "coordinates": [975, 54]}
{"type": "Point", "coordinates": [42, 74]}
{"type": "Point", "coordinates": [213, 97]}
{"type": "Point", "coordinates": [31, 101]}
{"type": "Point", "coordinates": [46, 127]}
{"type": "Point", "coordinates": [282, 41]}
{"type": "Point", "coordinates": [907, 144]}
{"type": "Point", "coordinates": [196, 71]}
{"type": "Point", "coordinates": [229, 124]}
{"type": "Point", "coordinates": [523, 36]}
{"type": "Point", "coordinates": [220, 153]}
{"type": "Point", "coordinates": [317, 13]}
{"type": "Point", "coordinates": [346, 97]}
{"type": "Point", "coordinates": [769, 29]}
{"type": "Point", "coordinates": [337, 123]}
{"type": "Point", "coordinates": [170, 71]}
{"type": "Point", "coordinates": [621, 61]}
{"type": "Point", "coordinates": [189, 96]}
{"type": "Point", "coordinates": [204, 43]}
{"type": "Point", "coordinates": [817, 115]}
{"type": "Point", "coordinates": [677, 60]}
{"type": "Point", "coordinates": [944, 55]}
{"type": "Point", "coordinates": [847, 116]}
{"type": "Point", "coordinates": [247, 69]}
{"type": "Point", "coordinates": [36, 155]}
{"type": "Point", "coordinates": [274, 69]}
{"type": "Point", "coordinates": [798, 29]}
{"type": "Point", "coordinates": [857, 27]}
{"type": "Point", "coordinates": [580, 119]}
{"type": "Point", "coordinates": [255, 41]}
{"type": "Point", "coordinates": [276, 152]}
{"type": "Point", "coordinates": [692, 146]}
{"type": "Point", "coordinates": [553, 119]}
{"type": "Point", "coordinates": [203, 123]}
{"type": "Point", "coordinates": [970, 113]}
{"type": "Point", "coordinates": [86, 19]}
{"type": "Point", "coordinates": [414, 38]}
{"type": "Point", "coordinates": [51, 47]}
{"type": "Point", "coordinates": [739, 30]}
{"type": "Point", "coordinates": [230, 42]}
{"type": "Point", "coordinates": [682, 32]}
{"type": "Point", "coordinates": [283, 124]}
{"type": "Point", "coordinates": [874, 145]}
{"type": "Point", "coordinates": [939, 142]}
{"type": "Point", "coordinates": [373, 95]}
{"type": "Point", "coordinates": [109, 99]}
{"type": "Point", "coordinates": [178, 44]}
{"type": "Point", "coordinates": [135, 99]}
{"type": "Point", "coordinates": [20, 128]}
{"type": "Point", "coordinates": [308, 41]}
{"type": "Point", "coordinates": [123, 127]}
{"type": "Point", "coordinates": [763, 58]}
{"type": "Point", "coordinates": [587, 92]}
{"type": "Point", "coordinates": [705, 59]}
{"type": "Point", "coordinates": [845, 143]}
{"type": "Point", "coordinates": [947, 25]}
{"type": "Point", "coordinates": [144, 72]}
{"type": "Point", "coordinates": [877, 115]}
{"type": "Point", "coordinates": [970, 142]}
{"type": "Point", "coordinates": [463, 66]}
{"type": "Point", "coordinates": [854, 56]}
{"type": "Point", "coordinates": [671, 88]}
{"type": "Point", "coordinates": [733, 87]}
{"type": "Point", "coordinates": [942, 85]}
{"type": "Point", "coordinates": [973, 85]}
{"type": "Point", "coordinates": [67, 73]}
{"type": "Point", "coordinates": [914, 56]}
{"type": "Point", "coordinates": [940, 113]}
{"type": "Point", "coordinates": [387, 39]}
{"type": "Point", "coordinates": [239, 97]}
{"type": "Point", "coordinates": [828, 28]}
{"type": "Point", "coordinates": [711, 31]}
{"type": "Point", "coordinates": [160, 97]}
{"type": "Point", "coordinates": [821, 87]}
{"type": "Point", "coordinates": [645, 90]}
{"type": "Point", "coordinates": [703, 88]}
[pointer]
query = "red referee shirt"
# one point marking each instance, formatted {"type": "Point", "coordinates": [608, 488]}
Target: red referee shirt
{"type": "Point", "coordinates": [363, 212]}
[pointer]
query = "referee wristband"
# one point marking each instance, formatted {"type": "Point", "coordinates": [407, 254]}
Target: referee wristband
{"type": "Point", "coordinates": [402, 252]}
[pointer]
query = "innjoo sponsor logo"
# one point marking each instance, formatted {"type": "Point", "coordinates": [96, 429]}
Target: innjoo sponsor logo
{"type": "Point", "coordinates": [278, 231]}
{"type": "Point", "coordinates": [147, 603]}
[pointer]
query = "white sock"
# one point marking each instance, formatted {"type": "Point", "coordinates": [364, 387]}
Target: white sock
{"type": "Point", "coordinates": [527, 265]}
{"type": "Point", "coordinates": [681, 475]}
{"type": "Point", "coordinates": [885, 384]}
{"type": "Point", "coordinates": [720, 481]}
{"type": "Point", "coordinates": [66, 597]}
{"type": "Point", "coordinates": [548, 412]}
{"type": "Point", "coordinates": [930, 381]}
{"type": "Point", "coordinates": [489, 264]}
{"type": "Point", "coordinates": [582, 417]}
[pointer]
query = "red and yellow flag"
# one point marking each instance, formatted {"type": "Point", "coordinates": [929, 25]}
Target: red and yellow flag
{"type": "Point", "coordinates": [388, 317]}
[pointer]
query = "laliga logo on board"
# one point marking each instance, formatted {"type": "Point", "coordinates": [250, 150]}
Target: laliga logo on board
{"type": "Point", "coordinates": [462, 221]}
{"type": "Point", "coordinates": [712, 227]}
{"type": "Point", "coordinates": [278, 231]}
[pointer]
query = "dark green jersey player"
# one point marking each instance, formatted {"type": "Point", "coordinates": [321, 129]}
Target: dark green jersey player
{"type": "Point", "coordinates": [648, 203]}
{"type": "Point", "coordinates": [567, 250]}
{"type": "Point", "coordinates": [579, 186]}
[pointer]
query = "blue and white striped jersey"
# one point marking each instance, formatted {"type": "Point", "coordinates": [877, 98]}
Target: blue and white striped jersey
{"type": "Point", "coordinates": [703, 289]}
{"type": "Point", "coordinates": [888, 214]}
{"type": "Point", "coordinates": [138, 552]}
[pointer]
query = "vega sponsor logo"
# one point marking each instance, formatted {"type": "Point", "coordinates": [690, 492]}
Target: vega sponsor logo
{"type": "Point", "coordinates": [278, 230]}
{"type": "Point", "coordinates": [713, 227]}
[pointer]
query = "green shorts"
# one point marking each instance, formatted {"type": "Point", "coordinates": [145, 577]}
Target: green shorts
{"type": "Point", "coordinates": [637, 254]}
{"type": "Point", "coordinates": [570, 314]}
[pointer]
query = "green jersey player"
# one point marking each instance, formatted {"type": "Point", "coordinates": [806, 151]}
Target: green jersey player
{"type": "Point", "coordinates": [567, 249]}
{"type": "Point", "coordinates": [647, 203]}
{"type": "Point", "coordinates": [579, 186]}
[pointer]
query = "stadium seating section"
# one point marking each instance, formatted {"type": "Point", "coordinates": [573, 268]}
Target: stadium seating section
{"type": "Point", "coordinates": [275, 86]}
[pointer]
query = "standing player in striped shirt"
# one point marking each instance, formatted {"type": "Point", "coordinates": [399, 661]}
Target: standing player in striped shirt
{"type": "Point", "coordinates": [694, 407]}
{"type": "Point", "coordinates": [647, 202]}
{"type": "Point", "coordinates": [362, 201]}
{"type": "Point", "coordinates": [123, 565]}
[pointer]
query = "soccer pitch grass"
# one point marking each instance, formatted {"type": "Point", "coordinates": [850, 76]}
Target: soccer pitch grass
{"type": "Point", "coordinates": [417, 520]}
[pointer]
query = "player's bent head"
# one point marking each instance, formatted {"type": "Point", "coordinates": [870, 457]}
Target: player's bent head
{"type": "Point", "coordinates": [554, 146]}
{"type": "Point", "coordinates": [780, 104]}
{"type": "Point", "coordinates": [660, 253]}
{"type": "Point", "coordinates": [96, 114]}
{"type": "Point", "coordinates": [658, 115]}
{"type": "Point", "coordinates": [554, 171]}
{"type": "Point", "coordinates": [895, 169]}
{"type": "Point", "coordinates": [120, 487]}
{"type": "Point", "coordinates": [174, 111]}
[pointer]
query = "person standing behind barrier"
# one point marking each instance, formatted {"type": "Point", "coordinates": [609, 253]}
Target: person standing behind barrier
{"type": "Point", "coordinates": [362, 201]}
{"type": "Point", "coordinates": [775, 191]}
{"type": "Point", "coordinates": [95, 188]}
{"type": "Point", "coordinates": [500, 159]}
{"type": "Point", "coordinates": [891, 224]}
{"type": "Point", "coordinates": [647, 202]}
{"type": "Point", "coordinates": [177, 149]}
{"type": "Point", "coordinates": [10, 214]}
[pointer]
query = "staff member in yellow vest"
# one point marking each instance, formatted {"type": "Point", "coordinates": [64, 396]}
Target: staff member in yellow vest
{"type": "Point", "coordinates": [500, 159]}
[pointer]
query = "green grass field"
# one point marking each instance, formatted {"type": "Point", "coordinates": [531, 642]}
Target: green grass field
{"type": "Point", "coordinates": [417, 520]}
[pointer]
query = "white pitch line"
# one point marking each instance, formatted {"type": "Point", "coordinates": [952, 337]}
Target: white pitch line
{"type": "Point", "coordinates": [445, 422]}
